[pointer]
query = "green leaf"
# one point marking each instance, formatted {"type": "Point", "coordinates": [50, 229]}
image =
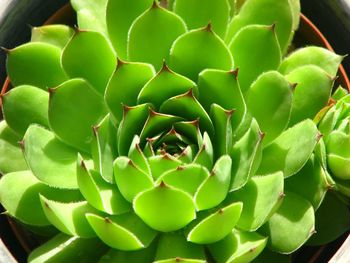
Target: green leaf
{"type": "Point", "coordinates": [137, 156]}
{"type": "Point", "coordinates": [56, 35]}
{"type": "Point", "coordinates": [100, 194]}
{"type": "Point", "coordinates": [163, 86]}
{"type": "Point", "coordinates": [75, 101]}
{"type": "Point", "coordinates": [312, 82]}
{"type": "Point", "coordinates": [125, 232]}
{"type": "Point", "coordinates": [312, 55]}
{"type": "Point", "coordinates": [221, 87]}
{"type": "Point", "coordinates": [238, 247]}
{"type": "Point", "coordinates": [172, 246]}
{"type": "Point", "coordinates": [69, 218]}
{"type": "Point", "coordinates": [125, 85]}
{"type": "Point", "coordinates": [291, 150]}
{"type": "Point", "coordinates": [261, 197]}
{"type": "Point", "coordinates": [11, 156]}
{"type": "Point", "coordinates": [255, 12]}
{"type": "Point", "coordinates": [197, 50]}
{"type": "Point", "coordinates": [19, 194]}
{"type": "Point", "coordinates": [205, 155]}
{"type": "Point", "coordinates": [149, 37]}
{"type": "Point", "coordinates": [295, 7]}
{"type": "Point", "coordinates": [339, 93]}
{"type": "Point", "coordinates": [87, 53]}
{"type": "Point", "coordinates": [250, 43]}
{"type": "Point", "coordinates": [246, 153]}
{"type": "Point", "coordinates": [216, 226]}
{"type": "Point", "coordinates": [332, 220]}
{"type": "Point", "coordinates": [291, 226]}
{"type": "Point", "coordinates": [161, 163]}
{"type": "Point", "coordinates": [215, 188]}
{"type": "Point", "coordinates": [185, 177]}
{"type": "Point", "coordinates": [91, 14]}
{"type": "Point", "coordinates": [63, 248]}
{"type": "Point", "coordinates": [272, 257]}
{"type": "Point", "coordinates": [130, 179]}
{"type": "Point", "coordinates": [50, 160]}
{"type": "Point", "coordinates": [314, 176]}
{"type": "Point", "coordinates": [269, 100]}
{"type": "Point", "coordinates": [119, 16]}
{"type": "Point", "coordinates": [36, 64]}
{"type": "Point", "coordinates": [164, 208]}
{"type": "Point", "coordinates": [198, 13]}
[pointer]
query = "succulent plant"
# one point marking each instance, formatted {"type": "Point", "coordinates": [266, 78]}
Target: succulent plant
{"type": "Point", "coordinates": [171, 131]}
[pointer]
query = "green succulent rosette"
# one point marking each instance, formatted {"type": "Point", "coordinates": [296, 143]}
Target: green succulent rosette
{"type": "Point", "coordinates": [150, 134]}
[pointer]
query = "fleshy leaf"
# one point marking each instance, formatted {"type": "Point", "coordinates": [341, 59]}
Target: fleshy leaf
{"type": "Point", "coordinates": [198, 13]}
{"type": "Point", "coordinates": [125, 85]}
{"type": "Point", "coordinates": [255, 12]}
{"type": "Point", "coordinates": [130, 179]}
{"type": "Point", "coordinates": [197, 50]}
{"type": "Point", "coordinates": [124, 232]}
{"type": "Point", "coordinates": [137, 156]}
{"type": "Point", "coordinates": [63, 248]}
{"type": "Point", "coordinates": [269, 100]}
{"type": "Point", "coordinates": [312, 82]}
{"type": "Point", "coordinates": [238, 247]}
{"type": "Point", "coordinates": [186, 177]}
{"type": "Point", "coordinates": [21, 200]}
{"type": "Point", "coordinates": [163, 86]}
{"type": "Point", "coordinates": [261, 196]}
{"type": "Point", "coordinates": [87, 53]}
{"type": "Point", "coordinates": [205, 155]}
{"type": "Point", "coordinates": [149, 37]}
{"type": "Point", "coordinates": [214, 189]}
{"type": "Point", "coordinates": [36, 64]}
{"type": "Point", "coordinates": [291, 150]}
{"type": "Point", "coordinates": [246, 155]}
{"type": "Point", "coordinates": [296, 216]}
{"type": "Point", "coordinates": [251, 42]}
{"type": "Point", "coordinates": [164, 208]}
{"type": "Point", "coordinates": [50, 160]}
{"type": "Point", "coordinates": [216, 226]}
{"type": "Point", "coordinates": [318, 56]}
{"type": "Point", "coordinates": [57, 35]}
{"type": "Point", "coordinates": [162, 163]}
{"type": "Point", "coordinates": [75, 101]}
{"type": "Point", "coordinates": [69, 218]}
{"type": "Point", "coordinates": [11, 156]}
{"type": "Point", "coordinates": [100, 194]}
{"type": "Point", "coordinates": [295, 5]}
{"type": "Point", "coordinates": [173, 247]}
{"type": "Point", "coordinates": [91, 14]}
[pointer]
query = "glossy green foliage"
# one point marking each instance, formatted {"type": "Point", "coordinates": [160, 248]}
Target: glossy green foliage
{"type": "Point", "coordinates": [56, 35]}
{"type": "Point", "coordinates": [255, 12]}
{"type": "Point", "coordinates": [163, 86]}
{"type": "Point", "coordinates": [216, 226]}
{"type": "Point", "coordinates": [86, 53]}
{"type": "Point", "coordinates": [13, 160]}
{"type": "Point", "coordinates": [91, 14]}
{"type": "Point", "coordinates": [50, 160]}
{"type": "Point", "coordinates": [291, 150]}
{"type": "Point", "coordinates": [321, 57]}
{"type": "Point", "coordinates": [162, 163]}
{"type": "Point", "coordinates": [197, 50]}
{"type": "Point", "coordinates": [19, 102]}
{"type": "Point", "coordinates": [63, 114]}
{"type": "Point", "coordinates": [100, 194]}
{"type": "Point", "coordinates": [125, 85]}
{"type": "Point", "coordinates": [261, 196]}
{"type": "Point", "coordinates": [312, 82]}
{"type": "Point", "coordinates": [238, 246]}
{"type": "Point", "coordinates": [296, 216]}
{"type": "Point", "coordinates": [269, 101]}
{"type": "Point", "coordinates": [36, 64]}
{"type": "Point", "coordinates": [165, 208]}
{"type": "Point", "coordinates": [251, 42]}
{"type": "Point", "coordinates": [272, 257]}
{"type": "Point", "coordinates": [125, 232]}
{"type": "Point", "coordinates": [63, 248]}
{"type": "Point", "coordinates": [120, 15]}
{"type": "Point", "coordinates": [149, 38]}
{"type": "Point", "coordinates": [198, 13]}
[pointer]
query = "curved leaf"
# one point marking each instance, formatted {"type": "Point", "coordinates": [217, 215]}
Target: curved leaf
{"type": "Point", "coordinates": [161, 163]}
{"type": "Point", "coordinates": [57, 35]}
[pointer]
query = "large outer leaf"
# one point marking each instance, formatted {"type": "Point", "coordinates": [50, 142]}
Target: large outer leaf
{"type": "Point", "coordinates": [57, 35]}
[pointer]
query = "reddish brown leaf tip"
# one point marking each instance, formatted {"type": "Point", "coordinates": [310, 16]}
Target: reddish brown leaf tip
{"type": "Point", "coordinates": [331, 102]}
{"type": "Point", "coordinates": [162, 184]}
{"type": "Point", "coordinates": [180, 168]}
{"type": "Point", "coordinates": [313, 231]}
{"type": "Point", "coordinates": [273, 27]}
{"type": "Point", "coordinates": [120, 63]}
{"type": "Point", "coordinates": [155, 4]}
{"type": "Point", "coordinates": [95, 129]}
{"type": "Point", "coordinates": [234, 73]}
{"type": "Point", "coordinates": [165, 67]}
{"type": "Point", "coordinates": [21, 144]}
{"type": "Point", "coordinates": [166, 156]}
{"type": "Point", "coordinates": [131, 163]}
{"type": "Point", "coordinates": [107, 220]}
{"type": "Point", "coordinates": [220, 212]}
{"type": "Point", "coordinates": [177, 259]}
{"type": "Point", "coordinates": [319, 136]}
{"type": "Point", "coordinates": [82, 164]}
{"type": "Point", "coordinates": [293, 86]}
{"type": "Point", "coordinates": [281, 195]}
{"type": "Point", "coordinates": [209, 27]}
{"type": "Point", "coordinates": [212, 173]}
{"type": "Point", "coordinates": [261, 135]}
{"type": "Point", "coordinates": [47, 205]}
{"type": "Point", "coordinates": [251, 250]}
{"type": "Point", "coordinates": [51, 92]}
